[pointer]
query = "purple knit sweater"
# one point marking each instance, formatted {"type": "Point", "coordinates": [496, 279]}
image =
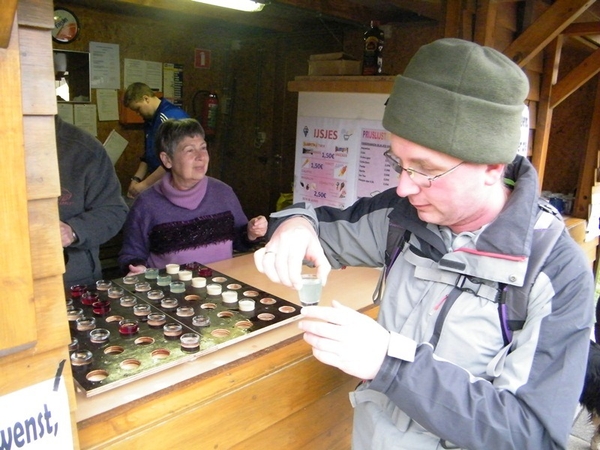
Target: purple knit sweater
{"type": "Point", "coordinates": [166, 225]}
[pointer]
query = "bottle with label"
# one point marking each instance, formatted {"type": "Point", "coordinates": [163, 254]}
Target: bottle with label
{"type": "Point", "coordinates": [373, 50]}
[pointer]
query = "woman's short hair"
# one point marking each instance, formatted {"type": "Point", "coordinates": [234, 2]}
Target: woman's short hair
{"type": "Point", "coordinates": [172, 131]}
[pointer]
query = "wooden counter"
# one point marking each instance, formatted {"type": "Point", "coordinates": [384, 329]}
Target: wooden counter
{"type": "Point", "coordinates": [268, 389]}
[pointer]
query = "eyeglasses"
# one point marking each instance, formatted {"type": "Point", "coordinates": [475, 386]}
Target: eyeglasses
{"type": "Point", "coordinates": [423, 180]}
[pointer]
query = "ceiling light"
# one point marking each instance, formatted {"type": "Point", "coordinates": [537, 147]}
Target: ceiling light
{"type": "Point", "coordinates": [241, 5]}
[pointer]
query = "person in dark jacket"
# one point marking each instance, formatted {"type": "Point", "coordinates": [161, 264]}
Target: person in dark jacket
{"type": "Point", "coordinates": [90, 206]}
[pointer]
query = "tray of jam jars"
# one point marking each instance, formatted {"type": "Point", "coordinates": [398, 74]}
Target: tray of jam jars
{"type": "Point", "coordinates": [132, 327]}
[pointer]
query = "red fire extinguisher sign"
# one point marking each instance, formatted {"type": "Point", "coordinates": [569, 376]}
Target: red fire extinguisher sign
{"type": "Point", "coordinates": [202, 58]}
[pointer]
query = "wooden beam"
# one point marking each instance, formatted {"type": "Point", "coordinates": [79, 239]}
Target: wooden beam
{"type": "Point", "coordinates": [428, 9]}
{"type": "Point", "coordinates": [589, 165]}
{"type": "Point", "coordinates": [7, 17]}
{"type": "Point", "coordinates": [549, 25]}
{"type": "Point", "coordinates": [582, 29]}
{"type": "Point", "coordinates": [544, 116]}
{"type": "Point", "coordinates": [485, 22]}
{"type": "Point", "coordinates": [453, 19]}
{"type": "Point", "coordinates": [575, 79]}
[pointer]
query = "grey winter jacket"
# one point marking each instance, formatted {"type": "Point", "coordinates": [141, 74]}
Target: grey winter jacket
{"type": "Point", "coordinates": [90, 200]}
{"type": "Point", "coordinates": [467, 391]}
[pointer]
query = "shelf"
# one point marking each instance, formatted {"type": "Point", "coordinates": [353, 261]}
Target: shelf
{"type": "Point", "coordinates": [359, 84]}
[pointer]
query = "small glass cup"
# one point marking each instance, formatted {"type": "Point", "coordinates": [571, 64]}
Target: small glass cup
{"type": "Point", "coordinates": [177, 287]}
{"type": "Point", "coordinates": [103, 285]}
{"type": "Point", "coordinates": [172, 269]}
{"type": "Point", "coordinates": [201, 320]}
{"type": "Point", "coordinates": [81, 357]}
{"type": "Point", "coordinates": [172, 330]}
{"type": "Point", "coordinates": [213, 289]}
{"type": "Point", "coordinates": [230, 297]}
{"type": "Point", "coordinates": [185, 275]}
{"type": "Point", "coordinates": [156, 319]}
{"type": "Point", "coordinates": [151, 273]}
{"type": "Point", "coordinates": [85, 323]}
{"type": "Point", "coordinates": [88, 298]}
{"type": "Point", "coordinates": [77, 289]}
{"type": "Point", "coordinates": [190, 342]}
{"type": "Point", "coordinates": [142, 310]}
{"type": "Point", "coordinates": [143, 286]}
{"type": "Point", "coordinates": [169, 303]}
{"type": "Point", "coordinates": [310, 293]}
{"type": "Point", "coordinates": [74, 314]}
{"type": "Point", "coordinates": [116, 292]}
{"type": "Point", "coordinates": [101, 307]}
{"type": "Point", "coordinates": [130, 279]}
{"type": "Point", "coordinates": [247, 304]}
{"type": "Point", "coordinates": [163, 280]}
{"type": "Point", "coordinates": [128, 327]}
{"type": "Point", "coordinates": [99, 335]}
{"type": "Point", "coordinates": [198, 282]}
{"type": "Point", "coordinates": [128, 300]}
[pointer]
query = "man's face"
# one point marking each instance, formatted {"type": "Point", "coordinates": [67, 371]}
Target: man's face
{"type": "Point", "coordinates": [143, 108]}
{"type": "Point", "coordinates": [458, 199]}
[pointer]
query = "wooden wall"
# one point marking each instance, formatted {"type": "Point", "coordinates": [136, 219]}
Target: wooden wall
{"type": "Point", "coordinates": [33, 330]}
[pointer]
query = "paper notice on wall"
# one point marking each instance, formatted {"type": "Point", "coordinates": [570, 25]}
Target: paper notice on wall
{"type": "Point", "coordinates": [36, 417]}
{"type": "Point", "coordinates": [115, 145]}
{"type": "Point", "coordinates": [85, 118]}
{"type": "Point", "coordinates": [108, 104]}
{"type": "Point", "coordinates": [339, 160]}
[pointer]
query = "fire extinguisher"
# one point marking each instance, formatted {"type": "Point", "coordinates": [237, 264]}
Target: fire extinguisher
{"type": "Point", "coordinates": [210, 109]}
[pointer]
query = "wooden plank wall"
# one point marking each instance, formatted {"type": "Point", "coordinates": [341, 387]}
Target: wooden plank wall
{"type": "Point", "coordinates": [30, 187]}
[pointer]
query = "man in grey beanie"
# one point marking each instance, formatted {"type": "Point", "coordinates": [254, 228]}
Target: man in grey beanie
{"type": "Point", "coordinates": [438, 370]}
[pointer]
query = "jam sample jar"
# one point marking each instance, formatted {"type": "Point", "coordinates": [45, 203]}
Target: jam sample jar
{"type": "Point", "coordinates": [103, 285]}
{"type": "Point", "coordinates": [190, 342]}
{"type": "Point", "coordinates": [130, 279]}
{"type": "Point", "coordinates": [156, 319]}
{"type": "Point", "coordinates": [177, 287]}
{"type": "Point", "coordinates": [85, 323]}
{"type": "Point", "coordinates": [169, 303]}
{"type": "Point", "coordinates": [77, 289]}
{"type": "Point", "coordinates": [128, 327]}
{"type": "Point", "coordinates": [201, 320]}
{"type": "Point", "coordinates": [88, 298]}
{"type": "Point", "coordinates": [151, 273]}
{"type": "Point", "coordinates": [172, 330]}
{"type": "Point", "coordinates": [99, 335]}
{"type": "Point", "coordinates": [101, 307]}
{"type": "Point", "coordinates": [213, 289]}
{"type": "Point", "coordinates": [128, 300]}
{"type": "Point", "coordinates": [198, 282]}
{"type": "Point", "coordinates": [230, 298]}
{"type": "Point", "coordinates": [185, 275]}
{"type": "Point", "coordinates": [172, 269]}
{"type": "Point", "coordinates": [205, 272]}
{"type": "Point", "coordinates": [81, 357]}
{"type": "Point", "coordinates": [163, 280]}
{"type": "Point", "coordinates": [142, 310]}
{"type": "Point", "coordinates": [116, 292]}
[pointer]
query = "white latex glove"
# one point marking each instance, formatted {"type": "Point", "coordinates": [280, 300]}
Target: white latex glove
{"type": "Point", "coordinates": [346, 339]}
{"type": "Point", "coordinates": [281, 259]}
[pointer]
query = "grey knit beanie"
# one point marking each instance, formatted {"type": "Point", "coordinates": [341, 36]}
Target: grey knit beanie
{"type": "Point", "coordinates": [461, 99]}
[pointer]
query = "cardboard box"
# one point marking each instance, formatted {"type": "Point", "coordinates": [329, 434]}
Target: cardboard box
{"type": "Point", "coordinates": [576, 228]}
{"type": "Point", "coordinates": [333, 64]}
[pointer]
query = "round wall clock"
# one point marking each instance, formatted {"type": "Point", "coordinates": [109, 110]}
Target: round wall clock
{"type": "Point", "coordinates": [66, 26]}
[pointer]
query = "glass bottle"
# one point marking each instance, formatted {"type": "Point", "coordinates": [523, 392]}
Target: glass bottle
{"type": "Point", "coordinates": [373, 50]}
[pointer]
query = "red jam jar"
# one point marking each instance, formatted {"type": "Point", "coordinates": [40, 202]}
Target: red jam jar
{"type": "Point", "coordinates": [101, 307]}
{"type": "Point", "coordinates": [128, 327]}
{"type": "Point", "coordinates": [77, 290]}
{"type": "Point", "coordinates": [205, 272]}
{"type": "Point", "coordinates": [88, 298]}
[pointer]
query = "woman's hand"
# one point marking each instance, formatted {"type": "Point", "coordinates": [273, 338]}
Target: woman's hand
{"type": "Point", "coordinates": [257, 227]}
{"type": "Point", "coordinates": [135, 270]}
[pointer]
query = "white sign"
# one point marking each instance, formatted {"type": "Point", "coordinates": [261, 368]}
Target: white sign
{"type": "Point", "coordinates": [339, 160]}
{"type": "Point", "coordinates": [36, 418]}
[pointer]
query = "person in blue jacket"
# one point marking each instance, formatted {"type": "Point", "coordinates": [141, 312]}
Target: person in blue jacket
{"type": "Point", "coordinates": [437, 371]}
{"type": "Point", "coordinates": [140, 98]}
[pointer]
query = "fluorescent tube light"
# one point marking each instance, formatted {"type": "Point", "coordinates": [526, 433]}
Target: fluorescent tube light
{"type": "Point", "coordinates": [241, 5]}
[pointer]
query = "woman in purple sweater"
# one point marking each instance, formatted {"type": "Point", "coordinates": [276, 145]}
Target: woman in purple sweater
{"type": "Point", "coordinates": [187, 216]}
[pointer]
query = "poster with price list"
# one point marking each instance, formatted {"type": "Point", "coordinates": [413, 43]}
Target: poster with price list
{"type": "Point", "coordinates": [340, 160]}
